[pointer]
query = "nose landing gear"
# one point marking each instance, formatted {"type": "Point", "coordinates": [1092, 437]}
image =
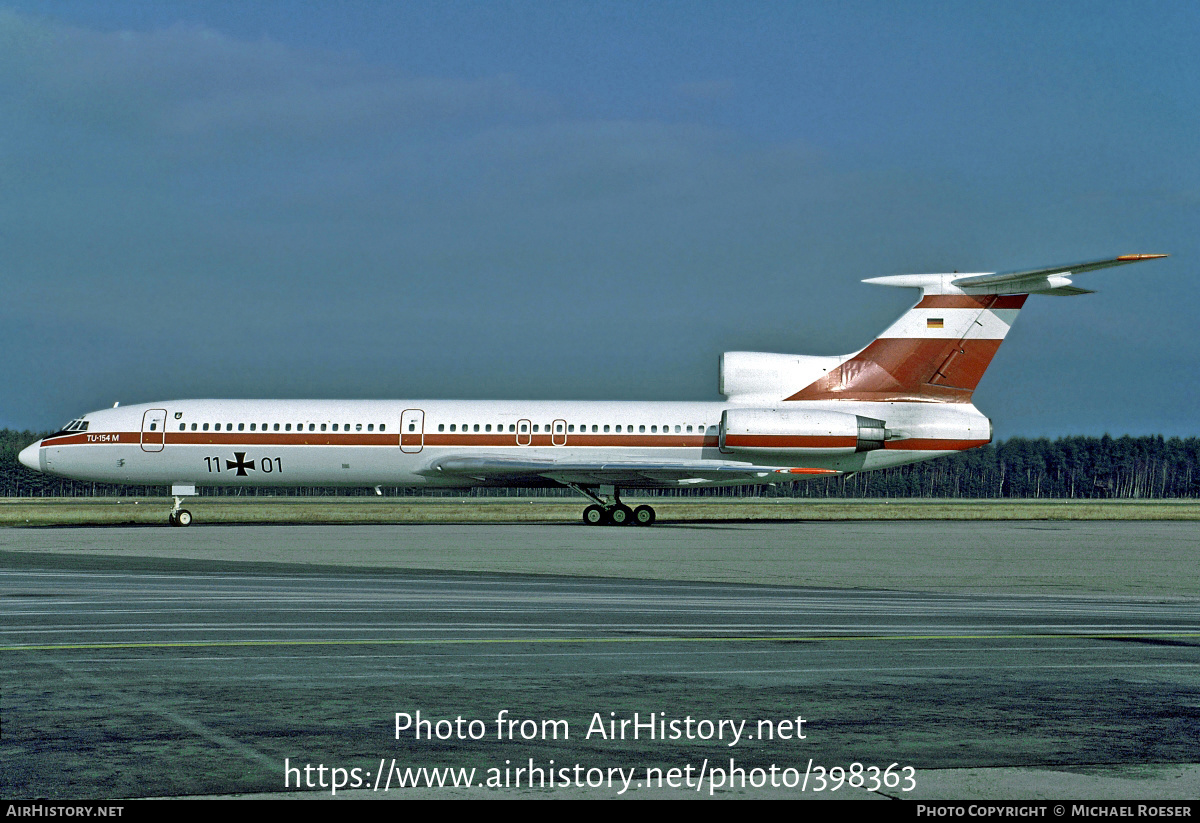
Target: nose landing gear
{"type": "Point", "coordinates": [179, 516]}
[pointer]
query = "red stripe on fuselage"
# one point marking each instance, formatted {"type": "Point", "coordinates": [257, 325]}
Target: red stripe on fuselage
{"type": "Point", "coordinates": [386, 439]}
{"type": "Point", "coordinates": [237, 439]}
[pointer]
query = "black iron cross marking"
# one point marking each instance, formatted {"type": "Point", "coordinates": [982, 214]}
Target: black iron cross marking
{"type": "Point", "coordinates": [241, 465]}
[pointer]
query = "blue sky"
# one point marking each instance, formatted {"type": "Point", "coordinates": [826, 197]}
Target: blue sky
{"type": "Point", "coordinates": [585, 200]}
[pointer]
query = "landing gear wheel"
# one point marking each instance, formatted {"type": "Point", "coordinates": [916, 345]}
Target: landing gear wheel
{"type": "Point", "coordinates": [621, 515]}
{"type": "Point", "coordinates": [183, 518]}
{"type": "Point", "coordinates": [643, 516]}
{"type": "Point", "coordinates": [594, 516]}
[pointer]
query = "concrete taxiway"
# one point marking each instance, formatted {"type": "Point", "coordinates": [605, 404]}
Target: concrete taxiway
{"type": "Point", "coordinates": [1027, 661]}
{"type": "Point", "coordinates": [1122, 557]}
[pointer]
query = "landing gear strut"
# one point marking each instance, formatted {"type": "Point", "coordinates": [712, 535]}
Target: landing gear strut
{"type": "Point", "coordinates": [179, 516]}
{"type": "Point", "coordinates": [608, 510]}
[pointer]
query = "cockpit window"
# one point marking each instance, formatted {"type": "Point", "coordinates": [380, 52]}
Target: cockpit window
{"type": "Point", "coordinates": [78, 425]}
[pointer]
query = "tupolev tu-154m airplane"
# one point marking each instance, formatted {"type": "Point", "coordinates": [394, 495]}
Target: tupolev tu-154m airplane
{"type": "Point", "coordinates": [905, 397]}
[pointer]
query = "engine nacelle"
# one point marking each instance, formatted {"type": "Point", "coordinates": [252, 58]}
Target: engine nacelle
{"type": "Point", "coordinates": [799, 432]}
{"type": "Point", "coordinates": [762, 377]}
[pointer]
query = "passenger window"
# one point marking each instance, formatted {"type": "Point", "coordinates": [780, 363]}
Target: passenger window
{"type": "Point", "coordinates": [453, 427]}
{"type": "Point", "coordinates": [241, 427]}
{"type": "Point", "coordinates": [288, 427]}
{"type": "Point", "coordinates": [193, 427]}
{"type": "Point", "coordinates": [412, 427]}
{"type": "Point", "coordinates": [153, 426]}
{"type": "Point", "coordinates": [441, 427]}
{"type": "Point", "coordinates": [358, 427]}
{"type": "Point", "coordinates": [322, 427]}
{"type": "Point", "coordinates": [641, 429]}
{"type": "Point", "coordinates": [182, 426]}
{"type": "Point", "coordinates": [382, 426]}
{"type": "Point", "coordinates": [654, 429]}
{"type": "Point", "coordinates": [206, 427]}
{"type": "Point", "coordinates": [689, 429]}
{"type": "Point", "coordinates": [571, 427]}
{"type": "Point", "coordinates": [606, 427]}
{"type": "Point", "coordinates": [252, 425]}
{"type": "Point", "coordinates": [335, 426]}
{"type": "Point", "coordinates": [476, 427]}
{"type": "Point", "coordinates": [370, 427]}
{"type": "Point", "coordinates": [524, 428]}
{"type": "Point", "coordinates": [488, 427]}
{"type": "Point", "coordinates": [276, 427]}
{"type": "Point", "coordinates": [677, 429]}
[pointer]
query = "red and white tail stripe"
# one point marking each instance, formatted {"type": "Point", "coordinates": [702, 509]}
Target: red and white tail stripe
{"type": "Point", "coordinates": [936, 352]}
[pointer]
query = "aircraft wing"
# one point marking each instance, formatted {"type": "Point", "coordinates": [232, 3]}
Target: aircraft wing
{"type": "Point", "coordinates": [1051, 280]}
{"type": "Point", "coordinates": [632, 474]}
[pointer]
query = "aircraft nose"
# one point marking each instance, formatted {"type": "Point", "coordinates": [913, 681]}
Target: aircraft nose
{"type": "Point", "coordinates": [29, 456]}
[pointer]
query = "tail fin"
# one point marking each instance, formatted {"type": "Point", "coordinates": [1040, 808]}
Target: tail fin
{"type": "Point", "coordinates": [938, 351]}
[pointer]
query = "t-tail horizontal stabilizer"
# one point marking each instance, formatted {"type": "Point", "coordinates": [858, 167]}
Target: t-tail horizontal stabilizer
{"type": "Point", "coordinates": [1052, 280]}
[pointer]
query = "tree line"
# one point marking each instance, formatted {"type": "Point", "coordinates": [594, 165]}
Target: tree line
{"type": "Point", "coordinates": [1081, 468]}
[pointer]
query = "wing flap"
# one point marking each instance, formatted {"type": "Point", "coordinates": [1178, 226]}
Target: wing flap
{"type": "Point", "coordinates": [631, 474]}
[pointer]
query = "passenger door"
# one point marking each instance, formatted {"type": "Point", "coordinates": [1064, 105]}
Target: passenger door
{"type": "Point", "coordinates": [412, 431]}
{"type": "Point", "coordinates": [154, 430]}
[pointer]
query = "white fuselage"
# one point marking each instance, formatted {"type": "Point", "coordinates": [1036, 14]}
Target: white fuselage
{"type": "Point", "coordinates": [396, 442]}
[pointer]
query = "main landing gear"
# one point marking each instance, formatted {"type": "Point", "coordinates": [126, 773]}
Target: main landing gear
{"type": "Point", "coordinates": [179, 516]}
{"type": "Point", "coordinates": [608, 510]}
